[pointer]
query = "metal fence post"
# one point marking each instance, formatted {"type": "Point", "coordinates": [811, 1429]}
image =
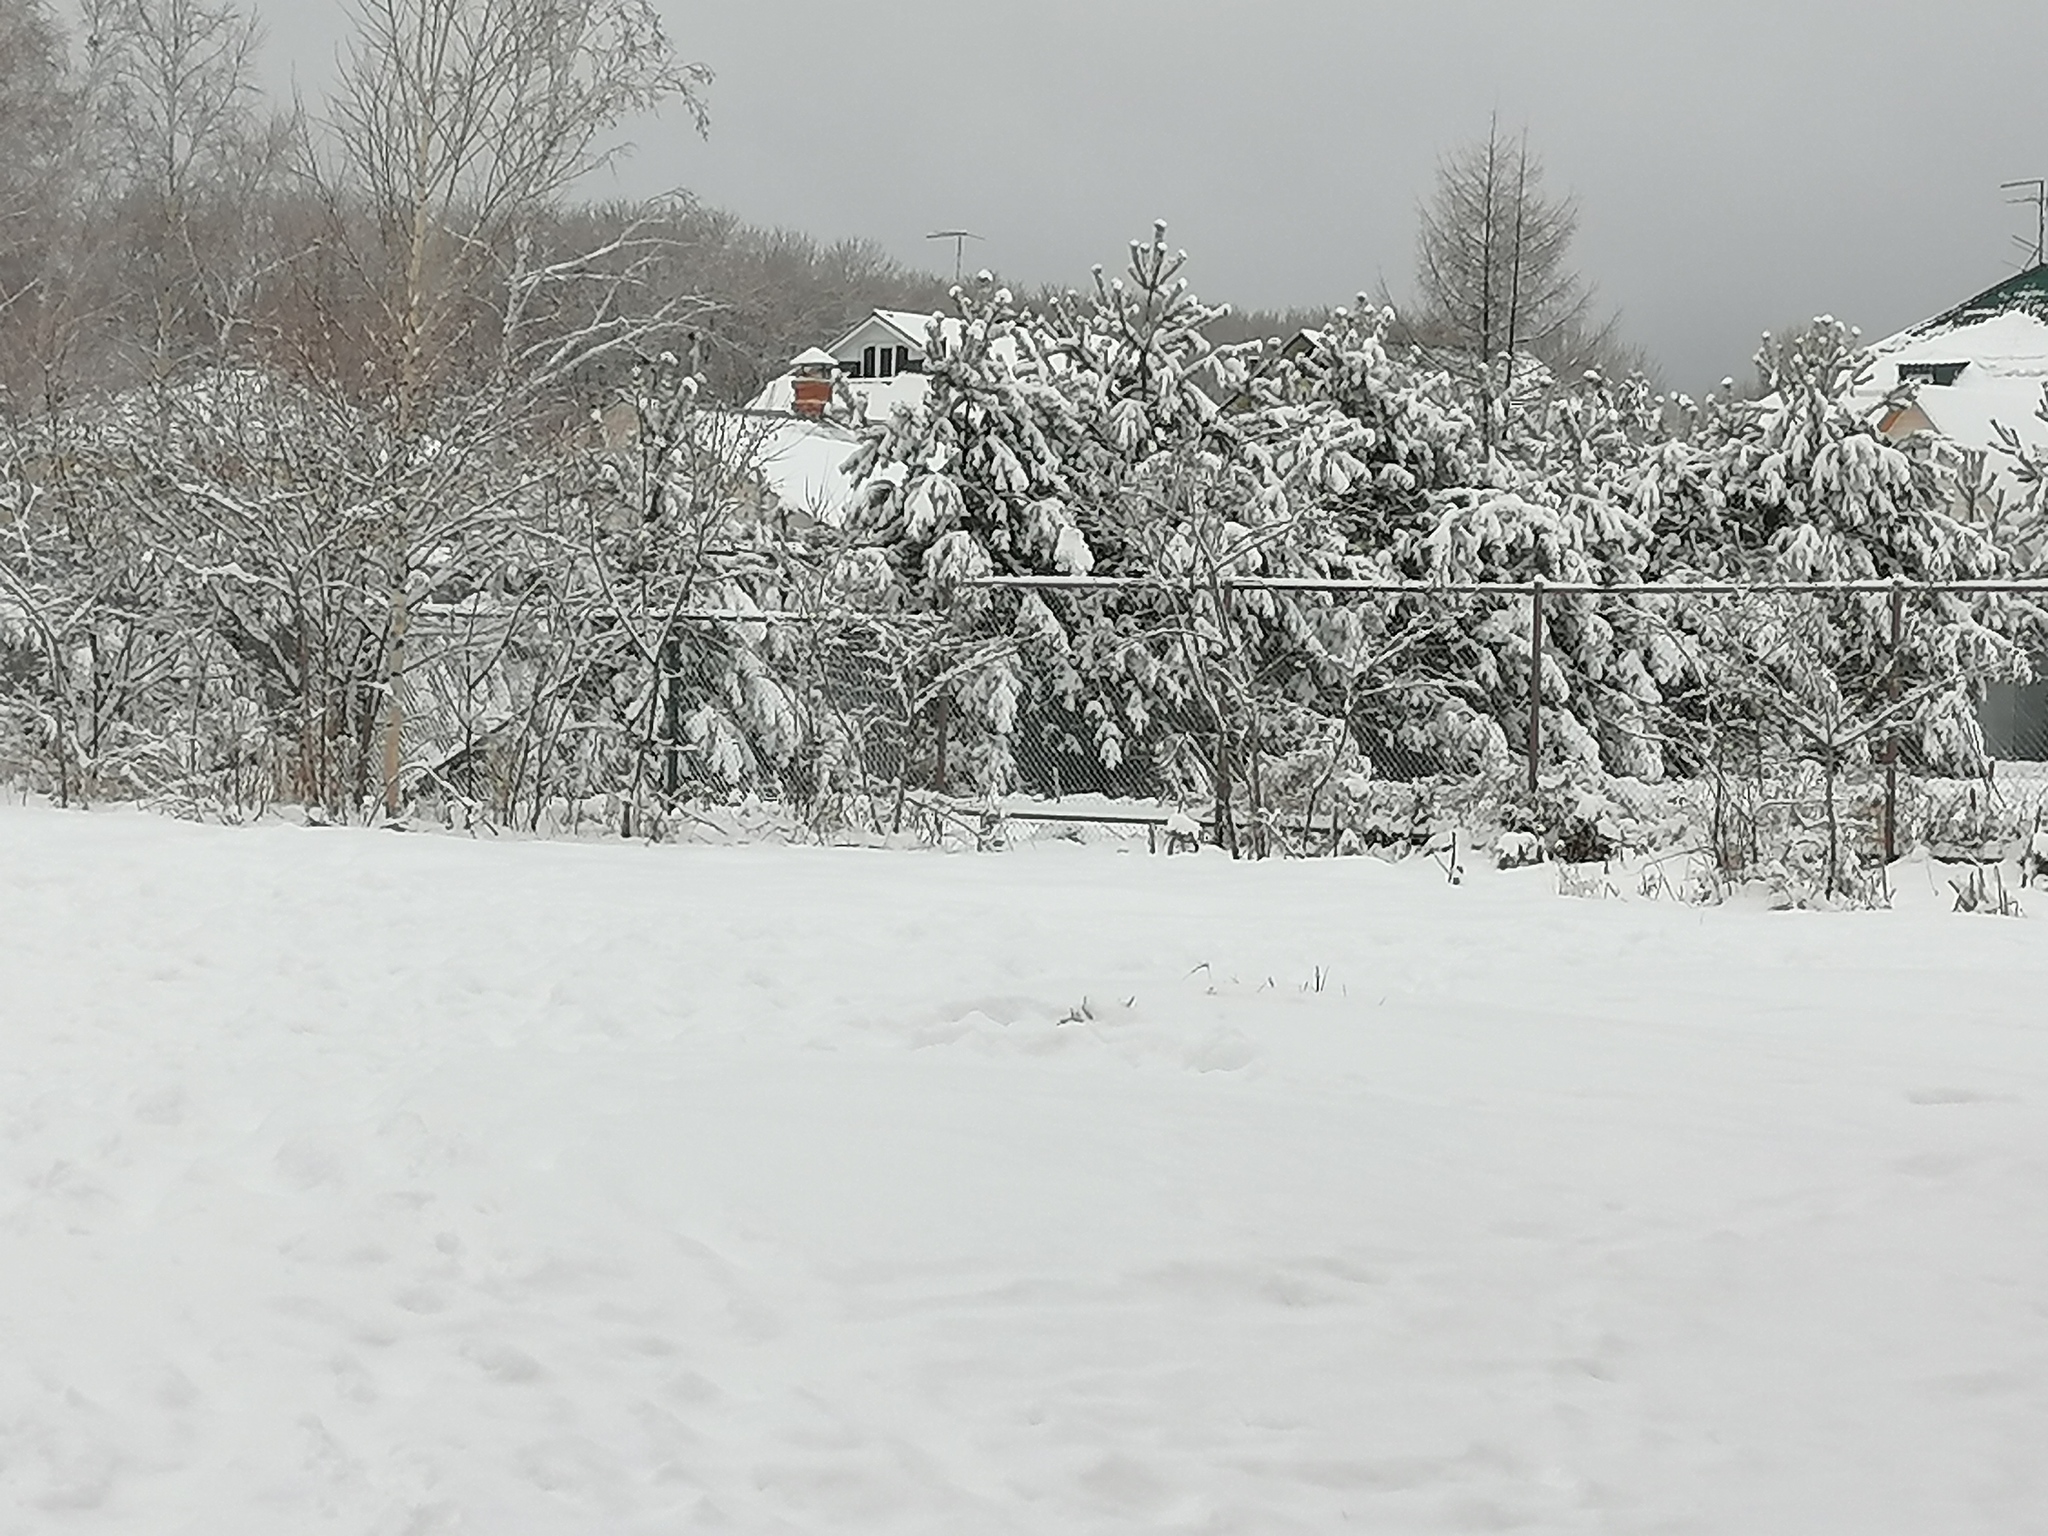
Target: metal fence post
{"type": "Point", "coordinates": [1226, 769]}
{"type": "Point", "coordinates": [672, 718]}
{"type": "Point", "coordinates": [394, 699]}
{"type": "Point", "coordinates": [1535, 679]}
{"type": "Point", "coordinates": [1891, 746]}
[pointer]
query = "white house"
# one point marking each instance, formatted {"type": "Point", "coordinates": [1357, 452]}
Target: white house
{"type": "Point", "coordinates": [1968, 371]}
{"type": "Point", "coordinates": [880, 362]}
{"type": "Point", "coordinates": [1962, 376]}
{"type": "Point", "coordinates": [803, 443]}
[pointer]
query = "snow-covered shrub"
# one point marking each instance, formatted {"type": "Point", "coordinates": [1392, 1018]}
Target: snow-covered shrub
{"type": "Point", "coordinates": [1514, 850]}
{"type": "Point", "coordinates": [1796, 487]}
{"type": "Point", "coordinates": [1572, 819]}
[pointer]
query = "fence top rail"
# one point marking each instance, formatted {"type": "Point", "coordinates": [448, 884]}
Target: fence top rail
{"type": "Point", "coordinates": [2037, 586]}
{"type": "Point", "coordinates": [756, 615]}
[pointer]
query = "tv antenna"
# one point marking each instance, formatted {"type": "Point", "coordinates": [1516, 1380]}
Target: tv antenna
{"type": "Point", "coordinates": [2032, 190]}
{"type": "Point", "coordinates": [959, 237]}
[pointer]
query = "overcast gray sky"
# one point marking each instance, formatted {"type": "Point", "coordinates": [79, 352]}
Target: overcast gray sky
{"type": "Point", "coordinates": [1738, 164]}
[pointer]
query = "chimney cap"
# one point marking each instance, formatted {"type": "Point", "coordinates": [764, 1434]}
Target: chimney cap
{"type": "Point", "coordinates": [814, 357]}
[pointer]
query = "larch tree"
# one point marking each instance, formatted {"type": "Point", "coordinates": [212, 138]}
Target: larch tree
{"type": "Point", "coordinates": [1493, 268]}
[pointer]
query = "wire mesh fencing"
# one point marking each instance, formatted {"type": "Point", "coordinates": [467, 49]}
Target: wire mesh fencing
{"type": "Point", "coordinates": [1819, 729]}
{"type": "Point", "coordinates": [1806, 731]}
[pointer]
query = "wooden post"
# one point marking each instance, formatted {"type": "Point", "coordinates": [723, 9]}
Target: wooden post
{"type": "Point", "coordinates": [945, 727]}
{"type": "Point", "coordinates": [1535, 679]}
{"type": "Point", "coordinates": [1891, 746]}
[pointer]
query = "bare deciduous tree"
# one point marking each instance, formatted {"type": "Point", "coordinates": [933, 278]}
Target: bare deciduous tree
{"type": "Point", "coordinates": [1492, 263]}
{"type": "Point", "coordinates": [49, 192]}
{"type": "Point", "coordinates": [458, 123]}
{"type": "Point", "coordinates": [457, 129]}
{"type": "Point", "coordinates": [196, 161]}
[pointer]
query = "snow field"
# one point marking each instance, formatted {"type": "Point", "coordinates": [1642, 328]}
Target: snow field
{"type": "Point", "coordinates": [369, 1183]}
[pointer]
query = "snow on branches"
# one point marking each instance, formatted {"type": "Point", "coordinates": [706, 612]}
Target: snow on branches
{"type": "Point", "coordinates": [269, 590]}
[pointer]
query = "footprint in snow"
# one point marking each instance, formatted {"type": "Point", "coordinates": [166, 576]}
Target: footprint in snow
{"type": "Point", "coordinates": [504, 1361]}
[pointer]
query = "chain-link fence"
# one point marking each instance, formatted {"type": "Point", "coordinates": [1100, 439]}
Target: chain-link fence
{"type": "Point", "coordinates": [1831, 723]}
{"type": "Point", "coordinates": [1827, 723]}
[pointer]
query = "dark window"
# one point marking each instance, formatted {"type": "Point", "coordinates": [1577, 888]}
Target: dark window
{"type": "Point", "coordinates": [903, 359]}
{"type": "Point", "coordinates": [1943, 374]}
{"type": "Point", "coordinates": [888, 362]}
{"type": "Point", "coordinates": [867, 362]}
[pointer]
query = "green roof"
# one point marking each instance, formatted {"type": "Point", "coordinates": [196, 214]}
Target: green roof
{"type": "Point", "coordinates": [2026, 293]}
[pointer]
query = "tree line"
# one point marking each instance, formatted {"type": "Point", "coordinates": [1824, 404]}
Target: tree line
{"type": "Point", "coordinates": [159, 216]}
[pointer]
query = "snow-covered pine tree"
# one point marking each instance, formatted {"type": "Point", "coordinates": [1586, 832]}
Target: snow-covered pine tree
{"type": "Point", "coordinates": [2017, 514]}
{"type": "Point", "coordinates": [1342, 446]}
{"type": "Point", "coordinates": [1578, 453]}
{"type": "Point", "coordinates": [967, 482]}
{"type": "Point", "coordinates": [1061, 442]}
{"type": "Point", "coordinates": [1798, 487]}
{"type": "Point", "coordinates": [971, 479]}
{"type": "Point", "coordinates": [1152, 458]}
{"type": "Point", "coordinates": [689, 707]}
{"type": "Point", "coordinates": [1133, 358]}
{"type": "Point", "coordinates": [1409, 490]}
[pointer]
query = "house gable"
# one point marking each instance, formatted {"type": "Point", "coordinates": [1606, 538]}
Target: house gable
{"type": "Point", "coordinates": [885, 344]}
{"type": "Point", "coordinates": [1902, 421]}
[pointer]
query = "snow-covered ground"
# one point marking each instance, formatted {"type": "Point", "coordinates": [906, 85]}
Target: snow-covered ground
{"type": "Point", "coordinates": [403, 1184]}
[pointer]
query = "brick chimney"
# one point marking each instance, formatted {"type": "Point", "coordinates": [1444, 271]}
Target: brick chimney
{"type": "Point", "coordinates": [811, 375]}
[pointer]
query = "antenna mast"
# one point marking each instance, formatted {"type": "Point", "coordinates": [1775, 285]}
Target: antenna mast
{"type": "Point", "coordinates": [959, 237]}
{"type": "Point", "coordinates": [2032, 190]}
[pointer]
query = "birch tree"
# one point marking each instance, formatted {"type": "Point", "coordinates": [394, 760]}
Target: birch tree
{"type": "Point", "coordinates": [459, 123]}
{"type": "Point", "coordinates": [457, 128]}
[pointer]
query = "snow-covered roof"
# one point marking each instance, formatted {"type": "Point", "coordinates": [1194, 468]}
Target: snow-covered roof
{"type": "Point", "coordinates": [797, 462]}
{"type": "Point", "coordinates": [2004, 351]}
{"type": "Point", "coordinates": [912, 327]}
{"type": "Point", "coordinates": [803, 467]}
{"type": "Point", "coordinates": [2026, 294]}
{"type": "Point", "coordinates": [877, 397]}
